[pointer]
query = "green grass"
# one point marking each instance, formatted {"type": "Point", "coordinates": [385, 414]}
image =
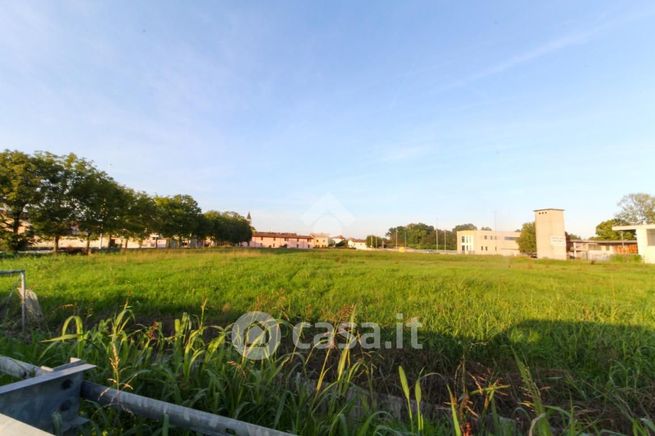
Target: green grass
{"type": "Point", "coordinates": [571, 339]}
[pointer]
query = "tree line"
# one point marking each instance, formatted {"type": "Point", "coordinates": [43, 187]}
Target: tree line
{"type": "Point", "coordinates": [51, 197]}
{"type": "Point", "coordinates": [420, 236]}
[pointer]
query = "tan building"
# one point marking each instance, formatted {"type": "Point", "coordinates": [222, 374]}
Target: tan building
{"type": "Point", "coordinates": [551, 237]}
{"type": "Point", "coordinates": [590, 249]}
{"type": "Point", "coordinates": [645, 240]}
{"type": "Point", "coordinates": [320, 240]}
{"type": "Point", "coordinates": [279, 240]}
{"type": "Point", "coordinates": [488, 242]}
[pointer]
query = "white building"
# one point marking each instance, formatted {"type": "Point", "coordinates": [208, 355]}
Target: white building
{"type": "Point", "coordinates": [357, 244]}
{"type": "Point", "coordinates": [488, 242]}
{"type": "Point", "coordinates": [645, 240]}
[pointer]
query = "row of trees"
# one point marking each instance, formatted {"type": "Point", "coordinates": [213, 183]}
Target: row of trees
{"type": "Point", "coordinates": [419, 236]}
{"type": "Point", "coordinates": [638, 208]}
{"type": "Point", "coordinates": [48, 196]}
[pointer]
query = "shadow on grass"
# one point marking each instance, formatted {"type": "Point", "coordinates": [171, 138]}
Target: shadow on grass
{"type": "Point", "coordinates": [605, 370]}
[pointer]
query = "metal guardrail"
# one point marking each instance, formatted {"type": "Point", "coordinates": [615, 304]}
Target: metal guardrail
{"type": "Point", "coordinates": [57, 392]}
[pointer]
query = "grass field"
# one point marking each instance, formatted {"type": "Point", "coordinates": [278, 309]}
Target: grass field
{"type": "Point", "coordinates": [583, 332]}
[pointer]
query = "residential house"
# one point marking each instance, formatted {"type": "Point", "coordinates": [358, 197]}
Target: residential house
{"type": "Point", "coordinates": [279, 240]}
{"type": "Point", "coordinates": [320, 240]}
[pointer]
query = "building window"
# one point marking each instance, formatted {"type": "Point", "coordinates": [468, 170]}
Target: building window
{"type": "Point", "coordinates": [650, 237]}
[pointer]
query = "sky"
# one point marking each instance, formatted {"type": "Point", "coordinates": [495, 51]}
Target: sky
{"type": "Point", "coordinates": [344, 117]}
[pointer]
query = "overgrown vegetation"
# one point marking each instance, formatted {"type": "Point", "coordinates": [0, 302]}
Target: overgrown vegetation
{"type": "Point", "coordinates": [509, 344]}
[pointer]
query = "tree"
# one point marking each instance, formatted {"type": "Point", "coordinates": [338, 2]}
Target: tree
{"type": "Point", "coordinates": [240, 229]}
{"type": "Point", "coordinates": [20, 183]}
{"type": "Point", "coordinates": [373, 241]}
{"type": "Point", "coordinates": [138, 218]}
{"type": "Point", "coordinates": [396, 236]}
{"type": "Point", "coordinates": [468, 226]}
{"type": "Point", "coordinates": [604, 231]}
{"type": "Point", "coordinates": [637, 208]}
{"type": "Point", "coordinates": [57, 212]}
{"type": "Point", "coordinates": [215, 226]}
{"type": "Point", "coordinates": [527, 241]}
{"type": "Point", "coordinates": [227, 227]}
{"type": "Point", "coordinates": [177, 217]}
{"type": "Point", "coordinates": [486, 228]}
{"type": "Point", "coordinates": [101, 203]}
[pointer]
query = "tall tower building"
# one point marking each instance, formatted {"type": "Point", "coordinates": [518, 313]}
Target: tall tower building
{"type": "Point", "coordinates": [551, 238]}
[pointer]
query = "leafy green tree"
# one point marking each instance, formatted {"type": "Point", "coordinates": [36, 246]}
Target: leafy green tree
{"type": "Point", "coordinates": [203, 230]}
{"type": "Point", "coordinates": [227, 227]}
{"type": "Point", "coordinates": [20, 183]}
{"type": "Point", "coordinates": [177, 217]}
{"type": "Point", "coordinates": [637, 208]}
{"type": "Point", "coordinates": [215, 227]}
{"type": "Point", "coordinates": [424, 236]}
{"type": "Point", "coordinates": [57, 212]}
{"type": "Point", "coordinates": [604, 231]}
{"type": "Point", "coordinates": [101, 203]}
{"type": "Point", "coordinates": [397, 236]}
{"type": "Point", "coordinates": [138, 217]}
{"type": "Point", "coordinates": [240, 229]}
{"type": "Point", "coordinates": [527, 241]}
{"type": "Point", "coordinates": [468, 226]}
{"type": "Point", "coordinates": [373, 241]}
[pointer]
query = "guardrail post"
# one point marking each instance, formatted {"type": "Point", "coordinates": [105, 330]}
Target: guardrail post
{"type": "Point", "coordinates": [49, 401]}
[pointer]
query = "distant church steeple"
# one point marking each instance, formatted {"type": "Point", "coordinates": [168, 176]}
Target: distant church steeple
{"type": "Point", "coordinates": [249, 218]}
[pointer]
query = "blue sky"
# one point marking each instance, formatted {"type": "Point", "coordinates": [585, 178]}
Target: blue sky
{"type": "Point", "coordinates": [374, 114]}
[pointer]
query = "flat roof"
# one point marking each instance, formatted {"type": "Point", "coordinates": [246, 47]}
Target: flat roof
{"type": "Point", "coordinates": [634, 227]}
{"type": "Point", "coordinates": [489, 231]}
{"type": "Point", "coordinates": [548, 208]}
{"type": "Point", "coordinates": [597, 241]}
